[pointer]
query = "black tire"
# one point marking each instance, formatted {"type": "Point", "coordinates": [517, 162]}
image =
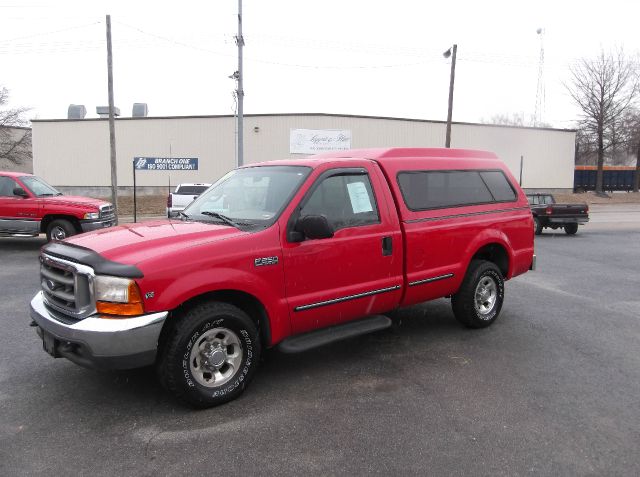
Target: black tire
{"type": "Point", "coordinates": [537, 226]}
{"type": "Point", "coordinates": [181, 369]}
{"type": "Point", "coordinates": [60, 229]}
{"type": "Point", "coordinates": [467, 311]}
{"type": "Point", "coordinates": [570, 229]}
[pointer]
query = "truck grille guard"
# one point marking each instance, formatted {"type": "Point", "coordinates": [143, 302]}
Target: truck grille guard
{"type": "Point", "coordinates": [67, 287]}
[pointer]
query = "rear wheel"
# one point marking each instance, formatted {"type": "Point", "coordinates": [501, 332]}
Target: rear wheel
{"type": "Point", "coordinates": [210, 355]}
{"type": "Point", "coordinates": [60, 229]}
{"type": "Point", "coordinates": [571, 229]}
{"type": "Point", "coordinates": [537, 226]}
{"type": "Point", "coordinates": [479, 300]}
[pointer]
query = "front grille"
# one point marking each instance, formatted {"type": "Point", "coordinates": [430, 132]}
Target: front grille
{"type": "Point", "coordinates": [106, 211]}
{"type": "Point", "coordinates": [67, 287]}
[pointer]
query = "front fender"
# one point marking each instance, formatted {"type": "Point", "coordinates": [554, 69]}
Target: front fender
{"type": "Point", "coordinates": [269, 293]}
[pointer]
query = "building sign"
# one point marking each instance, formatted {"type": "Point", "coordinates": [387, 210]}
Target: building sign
{"type": "Point", "coordinates": [313, 141]}
{"type": "Point", "coordinates": [165, 163]}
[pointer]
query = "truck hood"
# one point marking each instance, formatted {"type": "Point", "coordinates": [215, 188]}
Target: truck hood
{"type": "Point", "coordinates": [134, 243]}
{"type": "Point", "coordinates": [73, 200]}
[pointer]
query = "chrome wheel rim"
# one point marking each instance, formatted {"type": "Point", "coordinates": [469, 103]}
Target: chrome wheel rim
{"type": "Point", "coordinates": [486, 295]}
{"type": "Point", "coordinates": [215, 357]}
{"type": "Point", "coordinates": [58, 233]}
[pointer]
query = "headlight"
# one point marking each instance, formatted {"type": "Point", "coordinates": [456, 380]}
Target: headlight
{"type": "Point", "coordinates": [92, 215]}
{"type": "Point", "coordinates": [117, 296]}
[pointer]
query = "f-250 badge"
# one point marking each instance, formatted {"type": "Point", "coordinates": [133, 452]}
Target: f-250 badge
{"type": "Point", "coordinates": [260, 262]}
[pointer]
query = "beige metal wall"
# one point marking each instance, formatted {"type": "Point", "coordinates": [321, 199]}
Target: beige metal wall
{"type": "Point", "coordinates": [76, 153]}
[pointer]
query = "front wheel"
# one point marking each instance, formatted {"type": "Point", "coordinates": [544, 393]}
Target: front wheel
{"type": "Point", "coordinates": [479, 300]}
{"type": "Point", "coordinates": [210, 355]}
{"type": "Point", "coordinates": [60, 229]}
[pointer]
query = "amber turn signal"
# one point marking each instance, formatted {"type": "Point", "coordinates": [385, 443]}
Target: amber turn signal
{"type": "Point", "coordinates": [134, 306]}
{"type": "Point", "coordinates": [119, 309]}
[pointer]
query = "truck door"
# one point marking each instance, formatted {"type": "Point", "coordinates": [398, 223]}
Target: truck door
{"type": "Point", "coordinates": [17, 214]}
{"type": "Point", "coordinates": [358, 271]}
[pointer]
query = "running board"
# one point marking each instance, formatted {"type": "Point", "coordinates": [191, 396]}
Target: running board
{"type": "Point", "coordinates": [314, 339]}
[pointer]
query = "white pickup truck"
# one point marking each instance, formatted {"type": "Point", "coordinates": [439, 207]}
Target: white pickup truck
{"type": "Point", "coordinates": [183, 196]}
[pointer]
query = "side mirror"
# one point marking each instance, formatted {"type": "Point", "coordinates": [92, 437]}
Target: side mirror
{"type": "Point", "coordinates": [315, 227]}
{"type": "Point", "coordinates": [19, 191]}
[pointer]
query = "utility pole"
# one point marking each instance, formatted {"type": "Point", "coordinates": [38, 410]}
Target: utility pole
{"type": "Point", "coordinates": [240, 90]}
{"type": "Point", "coordinates": [521, 167]}
{"type": "Point", "coordinates": [540, 94]}
{"type": "Point", "coordinates": [112, 126]}
{"type": "Point", "coordinates": [451, 81]}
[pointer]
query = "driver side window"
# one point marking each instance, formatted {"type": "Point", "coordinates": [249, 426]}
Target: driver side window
{"type": "Point", "coordinates": [6, 186]}
{"type": "Point", "coordinates": [345, 200]}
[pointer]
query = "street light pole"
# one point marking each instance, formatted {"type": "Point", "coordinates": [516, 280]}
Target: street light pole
{"type": "Point", "coordinates": [446, 54]}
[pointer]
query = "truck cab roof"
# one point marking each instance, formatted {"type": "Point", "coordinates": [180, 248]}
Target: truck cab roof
{"type": "Point", "coordinates": [14, 174]}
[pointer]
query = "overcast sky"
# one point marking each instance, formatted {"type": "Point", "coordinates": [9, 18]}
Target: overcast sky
{"type": "Point", "coordinates": [379, 58]}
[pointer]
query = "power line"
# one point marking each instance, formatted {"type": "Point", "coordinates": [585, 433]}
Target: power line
{"type": "Point", "coordinates": [77, 27]}
{"type": "Point", "coordinates": [256, 60]}
{"type": "Point", "coordinates": [425, 55]}
{"type": "Point", "coordinates": [174, 41]}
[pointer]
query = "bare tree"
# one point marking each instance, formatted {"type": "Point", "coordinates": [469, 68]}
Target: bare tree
{"type": "Point", "coordinates": [585, 149]}
{"type": "Point", "coordinates": [15, 137]}
{"type": "Point", "coordinates": [603, 87]}
{"type": "Point", "coordinates": [630, 127]}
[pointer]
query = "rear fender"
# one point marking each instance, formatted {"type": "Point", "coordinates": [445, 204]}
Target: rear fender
{"type": "Point", "coordinates": [490, 237]}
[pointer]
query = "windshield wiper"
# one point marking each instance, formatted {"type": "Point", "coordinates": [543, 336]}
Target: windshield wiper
{"type": "Point", "coordinates": [222, 217]}
{"type": "Point", "coordinates": [183, 214]}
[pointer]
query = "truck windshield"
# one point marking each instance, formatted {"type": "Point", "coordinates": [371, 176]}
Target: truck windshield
{"type": "Point", "coordinates": [39, 187]}
{"type": "Point", "coordinates": [249, 196]}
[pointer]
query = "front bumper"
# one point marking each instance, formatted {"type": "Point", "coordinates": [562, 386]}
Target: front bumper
{"type": "Point", "coordinates": [94, 342]}
{"type": "Point", "coordinates": [89, 225]}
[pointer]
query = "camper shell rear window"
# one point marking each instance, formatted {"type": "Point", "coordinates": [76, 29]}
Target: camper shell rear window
{"type": "Point", "coordinates": [425, 190]}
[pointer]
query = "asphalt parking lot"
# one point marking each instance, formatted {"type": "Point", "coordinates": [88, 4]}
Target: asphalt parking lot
{"type": "Point", "coordinates": [552, 388]}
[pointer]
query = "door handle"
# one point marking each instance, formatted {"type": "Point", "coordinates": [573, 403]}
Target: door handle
{"type": "Point", "coordinates": [387, 246]}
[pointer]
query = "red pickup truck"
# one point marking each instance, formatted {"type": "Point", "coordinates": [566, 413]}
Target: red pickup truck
{"type": "Point", "coordinates": [292, 253]}
{"type": "Point", "coordinates": [29, 206]}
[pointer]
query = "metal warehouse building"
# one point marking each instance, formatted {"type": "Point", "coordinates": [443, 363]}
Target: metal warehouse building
{"type": "Point", "coordinates": [74, 154]}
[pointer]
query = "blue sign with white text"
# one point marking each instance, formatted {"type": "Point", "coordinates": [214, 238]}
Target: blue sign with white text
{"type": "Point", "coordinates": [165, 163]}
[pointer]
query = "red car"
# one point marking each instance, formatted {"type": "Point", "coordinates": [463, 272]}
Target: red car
{"type": "Point", "coordinates": [293, 253]}
{"type": "Point", "coordinates": [29, 206]}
